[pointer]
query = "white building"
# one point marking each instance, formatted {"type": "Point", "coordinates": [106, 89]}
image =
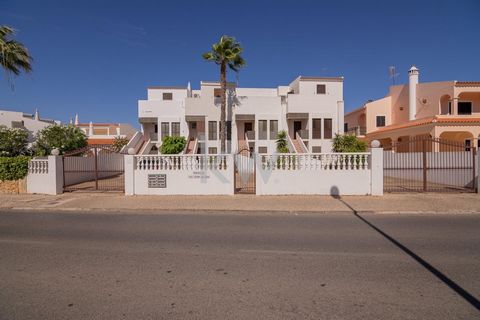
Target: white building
{"type": "Point", "coordinates": [310, 110]}
{"type": "Point", "coordinates": [30, 122]}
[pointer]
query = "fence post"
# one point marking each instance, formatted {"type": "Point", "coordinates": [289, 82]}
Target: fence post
{"type": "Point", "coordinates": [55, 172]}
{"type": "Point", "coordinates": [129, 168]}
{"type": "Point", "coordinates": [477, 164]}
{"type": "Point", "coordinates": [376, 171]}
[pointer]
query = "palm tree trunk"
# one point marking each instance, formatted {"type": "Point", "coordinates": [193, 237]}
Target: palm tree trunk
{"type": "Point", "coordinates": [223, 107]}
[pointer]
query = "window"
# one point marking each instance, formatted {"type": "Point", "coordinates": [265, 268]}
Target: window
{"type": "Point", "coordinates": [449, 107]}
{"type": "Point", "coordinates": [345, 127]}
{"type": "Point", "coordinates": [273, 129]}
{"type": "Point", "coordinates": [176, 129]}
{"type": "Point", "coordinates": [212, 150]}
{"type": "Point", "coordinates": [217, 93]}
{"type": "Point", "coordinates": [155, 129]}
{"type": "Point", "coordinates": [165, 127]}
{"type": "Point", "coordinates": [262, 129]}
{"type": "Point", "coordinates": [327, 128]}
{"type": "Point", "coordinates": [317, 149]}
{"type": "Point", "coordinates": [167, 96]}
{"type": "Point", "coordinates": [212, 130]}
{"type": "Point", "coordinates": [464, 108]}
{"type": "Point", "coordinates": [380, 121]}
{"type": "Point", "coordinates": [193, 125]}
{"type": "Point", "coordinates": [316, 128]}
{"type": "Point", "coordinates": [321, 89]}
{"type": "Point", "coordinates": [262, 150]}
{"type": "Point", "coordinates": [468, 145]}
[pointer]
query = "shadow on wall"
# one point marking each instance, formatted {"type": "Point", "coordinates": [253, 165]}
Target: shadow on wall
{"type": "Point", "coordinates": [335, 192]}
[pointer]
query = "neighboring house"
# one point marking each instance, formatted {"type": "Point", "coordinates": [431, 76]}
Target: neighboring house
{"type": "Point", "coordinates": [30, 122]}
{"type": "Point", "coordinates": [105, 133]}
{"type": "Point", "coordinates": [447, 110]}
{"type": "Point", "coordinates": [310, 109]}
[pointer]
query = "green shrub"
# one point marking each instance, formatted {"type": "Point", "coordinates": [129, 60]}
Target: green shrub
{"type": "Point", "coordinates": [282, 146]}
{"type": "Point", "coordinates": [348, 143]}
{"type": "Point", "coordinates": [173, 145]}
{"type": "Point", "coordinates": [13, 168]}
{"type": "Point", "coordinates": [13, 142]}
{"type": "Point", "coordinates": [63, 138]}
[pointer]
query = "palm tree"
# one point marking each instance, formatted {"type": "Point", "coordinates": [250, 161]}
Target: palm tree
{"type": "Point", "coordinates": [226, 52]}
{"type": "Point", "coordinates": [14, 57]}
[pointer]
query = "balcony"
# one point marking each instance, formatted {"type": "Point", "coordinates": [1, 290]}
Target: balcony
{"type": "Point", "coordinates": [357, 131]}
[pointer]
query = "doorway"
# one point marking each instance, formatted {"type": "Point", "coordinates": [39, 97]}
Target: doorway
{"type": "Point", "coordinates": [297, 126]}
{"type": "Point", "coordinates": [248, 126]}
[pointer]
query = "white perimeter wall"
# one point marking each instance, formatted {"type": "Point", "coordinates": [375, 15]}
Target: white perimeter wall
{"type": "Point", "coordinates": [185, 175]}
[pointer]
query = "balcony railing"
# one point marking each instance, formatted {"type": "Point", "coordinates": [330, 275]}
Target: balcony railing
{"type": "Point", "coordinates": [357, 131]}
{"type": "Point", "coordinates": [303, 134]}
{"type": "Point", "coordinates": [250, 135]}
{"type": "Point", "coordinates": [153, 136]}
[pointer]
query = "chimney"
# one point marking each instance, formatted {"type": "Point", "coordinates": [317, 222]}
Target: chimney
{"type": "Point", "coordinates": [77, 122]}
{"type": "Point", "coordinates": [412, 92]}
{"type": "Point", "coordinates": [37, 115]}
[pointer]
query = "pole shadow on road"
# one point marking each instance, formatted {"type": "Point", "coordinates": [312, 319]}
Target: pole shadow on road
{"type": "Point", "coordinates": [446, 280]}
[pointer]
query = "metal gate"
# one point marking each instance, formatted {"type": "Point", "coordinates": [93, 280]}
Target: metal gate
{"type": "Point", "coordinates": [426, 164]}
{"type": "Point", "coordinates": [244, 182]}
{"type": "Point", "coordinates": [93, 168]}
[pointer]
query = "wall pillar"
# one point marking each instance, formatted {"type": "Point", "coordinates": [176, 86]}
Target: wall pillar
{"type": "Point", "coordinates": [55, 170]}
{"type": "Point", "coordinates": [376, 171]}
{"type": "Point", "coordinates": [455, 106]}
{"type": "Point", "coordinates": [129, 167]}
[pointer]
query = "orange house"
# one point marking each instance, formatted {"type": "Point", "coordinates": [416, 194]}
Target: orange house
{"type": "Point", "coordinates": [447, 110]}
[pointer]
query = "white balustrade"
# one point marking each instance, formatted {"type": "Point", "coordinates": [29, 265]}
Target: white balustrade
{"type": "Point", "coordinates": [320, 161]}
{"type": "Point", "coordinates": [180, 162]}
{"type": "Point", "coordinates": [38, 166]}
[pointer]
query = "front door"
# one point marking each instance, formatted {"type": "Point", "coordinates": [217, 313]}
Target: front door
{"type": "Point", "coordinates": [193, 130]}
{"type": "Point", "coordinates": [297, 126]}
{"type": "Point", "coordinates": [248, 126]}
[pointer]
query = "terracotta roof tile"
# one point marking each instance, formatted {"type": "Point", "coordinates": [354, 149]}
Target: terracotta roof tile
{"type": "Point", "coordinates": [424, 121]}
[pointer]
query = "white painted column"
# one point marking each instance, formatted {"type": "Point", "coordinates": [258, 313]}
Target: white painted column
{"type": "Point", "coordinates": [376, 171]}
{"type": "Point", "coordinates": [129, 167]}
{"type": "Point", "coordinates": [477, 163]}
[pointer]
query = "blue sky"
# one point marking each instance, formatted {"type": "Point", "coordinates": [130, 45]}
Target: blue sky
{"type": "Point", "coordinates": [97, 57]}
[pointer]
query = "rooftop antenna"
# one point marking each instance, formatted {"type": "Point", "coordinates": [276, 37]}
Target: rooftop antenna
{"type": "Point", "coordinates": [392, 73]}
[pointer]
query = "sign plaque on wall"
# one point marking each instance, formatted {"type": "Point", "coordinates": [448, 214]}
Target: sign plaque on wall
{"type": "Point", "coordinates": [157, 180]}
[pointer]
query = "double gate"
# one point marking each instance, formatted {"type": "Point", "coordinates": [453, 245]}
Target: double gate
{"type": "Point", "coordinates": [429, 165]}
{"type": "Point", "coordinates": [244, 181]}
{"type": "Point", "coordinates": [93, 168]}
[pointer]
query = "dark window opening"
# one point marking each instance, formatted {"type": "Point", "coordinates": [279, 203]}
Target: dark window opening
{"type": "Point", "coordinates": [380, 121]}
{"type": "Point", "coordinates": [167, 96]}
{"type": "Point", "coordinates": [321, 89]}
{"type": "Point", "coordinates": [464, 108]}
{"type": "Point", "coordinates": [316, 128]}
{"type": "Point", "coordinates": [328, 129]}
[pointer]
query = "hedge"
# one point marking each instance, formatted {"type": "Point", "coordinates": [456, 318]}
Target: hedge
{"type": "Point", "coordinates": [13, 168]}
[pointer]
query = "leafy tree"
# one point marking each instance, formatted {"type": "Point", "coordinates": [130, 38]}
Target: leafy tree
{"type": "Point", "coordinates": [119, 143]}
{"type": "Point", "coordinates": [13, 142]}
{"type": "Point", "coordinates": [173, 145]}
{"type": "Point", "coordinates": [14, 56]}
{"type": "Point", "coordinates": [226, 52]}
{"type": "Point", "coordinates": [348, 143]}
{"type": "Point", "coordinates": [64, 138]}
{"type": "Point", "coordinates": [281, 142]}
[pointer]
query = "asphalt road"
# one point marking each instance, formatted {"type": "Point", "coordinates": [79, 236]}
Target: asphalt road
{"type": "Point", "coordinates": [221, 266]}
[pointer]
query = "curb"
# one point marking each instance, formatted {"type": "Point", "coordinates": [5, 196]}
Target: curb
{"type": "Point", "coordinates": [187, 211]}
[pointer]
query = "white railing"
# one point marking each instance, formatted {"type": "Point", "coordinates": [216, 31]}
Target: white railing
{"type": "Point", "coordinates": [38, 166]}
{"type": "Point", "coordinates": [181, 162]}
{"type": "Point", "coordinates": [320, 161]}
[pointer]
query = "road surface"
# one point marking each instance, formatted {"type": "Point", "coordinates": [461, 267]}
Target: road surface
{"type": "Point", "coordinates": [230, 266]}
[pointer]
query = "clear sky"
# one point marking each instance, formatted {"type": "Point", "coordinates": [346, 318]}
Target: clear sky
{"type": "Point", "coordinates": [97, 57]}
